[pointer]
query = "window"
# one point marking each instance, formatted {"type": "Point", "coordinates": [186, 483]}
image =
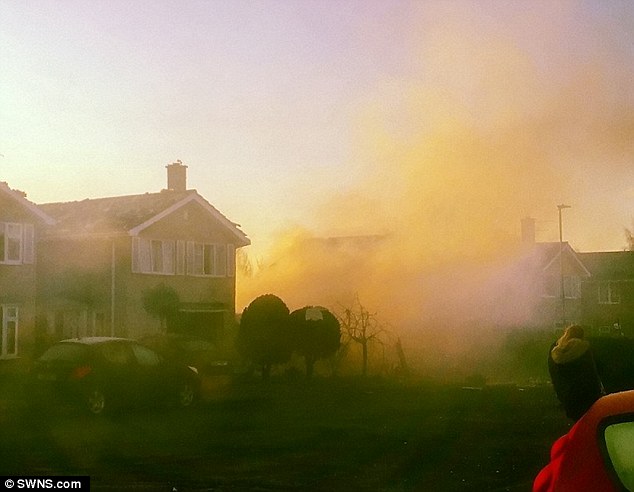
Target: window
{"type": "Point", "coordinates": [208, 259]}
{"type": "Point", "coordinates": [16, 243]}
{"type": "Point", "coordinates": [66, 352]}
{"type": "Point", "coordinates": [9, 341]}
{"type": "Point", "coordinates": [609, 293]}
{"type": "Point", "coordinates": [117, 354]}
{"type": "Point", "coordinates": [619, 443]}
{"type": "Point", "coordinates": [153, 256]}
{"type": "Point", "coordinates": [169, 257]}
{"type": "Point", "coordinates": [551, 286]}
{"type": "Point", "coordinates": [145, 357]}
{"type": "Point", "coordinates": [156, 256]}
{"type": "Point", "coordinates": [572, 287]}
{"type": "Point", "coordinates": [196, 263]}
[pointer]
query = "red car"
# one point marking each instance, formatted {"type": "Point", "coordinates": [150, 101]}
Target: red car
{"type": "Point", "coordinates": [597, 454]}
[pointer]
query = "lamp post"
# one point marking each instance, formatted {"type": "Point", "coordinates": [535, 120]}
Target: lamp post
{"type": "Point", "coordinates": [561, 267]}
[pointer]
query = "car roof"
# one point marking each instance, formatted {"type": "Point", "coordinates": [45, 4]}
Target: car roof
{"type": "Point", "coordinates": [618, 403]}
{"type": "Point", "coordinates": [96, 340]}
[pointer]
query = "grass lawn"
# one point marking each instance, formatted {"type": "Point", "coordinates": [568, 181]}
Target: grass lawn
{"type": "Point", "coordinates": [373, 435]}
{"type": "Point", "coordinates": [325, 434]}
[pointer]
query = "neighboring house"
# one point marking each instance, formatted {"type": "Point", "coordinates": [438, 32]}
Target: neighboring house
{"type": "Point", "coordinates": [598, 287]}
{"type": "Point", "coordinates": [529, 290]}
{"type": "Point", "coordinates": [554, 307]}
{"type": "Point", "coordinates": [609, 292]}
{"type": "Point", "coordinates": [106, 254]}
{"type": "Point", "coordinates": [21, 224]}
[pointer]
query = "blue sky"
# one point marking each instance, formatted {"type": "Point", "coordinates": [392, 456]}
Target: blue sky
{"type": "Point", "coordinates": [277, 106]}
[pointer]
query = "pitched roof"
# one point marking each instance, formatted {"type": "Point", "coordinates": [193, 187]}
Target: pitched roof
{"type": "Point", "coordinates": [616, 265]}
{"type": "Point", "coordinates": [129, 214]}
{"type": "Point", "coordinates": [547, 254]}
{"type": "Point", "coordinates": [20, 198]}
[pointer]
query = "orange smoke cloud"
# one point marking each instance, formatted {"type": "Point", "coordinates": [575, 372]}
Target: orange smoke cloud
{"type": "Point", "coordinates": [452, 160]}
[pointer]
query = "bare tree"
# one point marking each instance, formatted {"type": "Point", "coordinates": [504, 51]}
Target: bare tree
{"type": "Point", "coordinates": [247, 264]}
{"type": "Point", "coordinates": [361, 326]}
{"type": "Point", "coordinates": [629, 237]}
{"type": "Point", "coordinates": [244, 263]}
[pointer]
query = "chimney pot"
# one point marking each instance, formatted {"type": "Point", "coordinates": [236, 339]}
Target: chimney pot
{"type": "Point", "coordinates": [176, 176]}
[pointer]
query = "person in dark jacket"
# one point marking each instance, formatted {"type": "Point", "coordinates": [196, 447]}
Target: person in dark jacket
{"type": "Point", "coordinates": [573, 372]}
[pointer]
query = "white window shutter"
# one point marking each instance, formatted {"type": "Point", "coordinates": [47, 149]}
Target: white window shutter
{"type": "Point", "coordinates": [190, 258]}
{"type": "Point", "coordinates": [180, 257]}
{"type": "Point", "coordinates": [145, 255]}
{"type": "Point", "coordinates": [168, 257]}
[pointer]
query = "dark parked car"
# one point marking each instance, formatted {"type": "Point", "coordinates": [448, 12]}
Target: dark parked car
{"type": "Point", "coordinates": [184, 349]}
{"type": "Point", "coordinates": [101, 373]}
{"type": "Point", "coordinates": [215, 371]}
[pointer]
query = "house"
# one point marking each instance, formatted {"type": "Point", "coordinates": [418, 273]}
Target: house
{"type": "Point", "coordinates": [562, 274]}
{"type": "Point", "coordinates": [106, 255]}
{"type": "Point", "coordinates": [609, 292]}
{"type": "Point", "coordinates": [22, 223]}
{"type": "Point", "coordinates": [528, 291]}
{"type": "Point", "coordinates": [598, 287]}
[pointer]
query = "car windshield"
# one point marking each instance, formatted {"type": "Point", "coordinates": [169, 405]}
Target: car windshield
{"type": "Point", "coordinates": [619, 440]}
{"type": "Point", "coordinates": [117, 353]}
{"type": "Point", "coordinates": [145, 357]}
{"type": "Point", "coordinates": [66, 352]}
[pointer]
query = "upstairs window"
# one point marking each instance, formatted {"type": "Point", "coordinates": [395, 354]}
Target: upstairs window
{"type": "Point", "coordinates": [572, 287]}
{"type": "Point", "coordinates": [609, 293]}
{"type": "Point", "coordinates": [16, 243]}
{"type": "Point", "coordinates": [207, 259]}
{"type": "Point", "coordinates": [153, 256]}
{"type": "Point", "coordinates": [551, 286]}
{"type": "Point", "coordinates": [169, 257]}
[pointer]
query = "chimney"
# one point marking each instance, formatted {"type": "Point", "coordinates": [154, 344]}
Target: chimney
{"type": "Point", "coordinates": [528, 231]}
{"type": "Point", "coordinates": [176, 176]}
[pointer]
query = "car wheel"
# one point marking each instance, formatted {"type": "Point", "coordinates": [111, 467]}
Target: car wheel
{"type": "Point", "coordinates": [96, 401]}
{"type": "Point", "coordinates": [186, 395]}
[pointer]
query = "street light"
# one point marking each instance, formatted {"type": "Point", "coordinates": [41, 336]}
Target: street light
{"type": "Point", "coordinates": [561, 267]}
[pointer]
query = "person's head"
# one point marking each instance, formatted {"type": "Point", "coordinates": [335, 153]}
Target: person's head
{"type": "Point", "coordinates": [571, 332]}
{"type": "Point", "coordinates": [574, 331]}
